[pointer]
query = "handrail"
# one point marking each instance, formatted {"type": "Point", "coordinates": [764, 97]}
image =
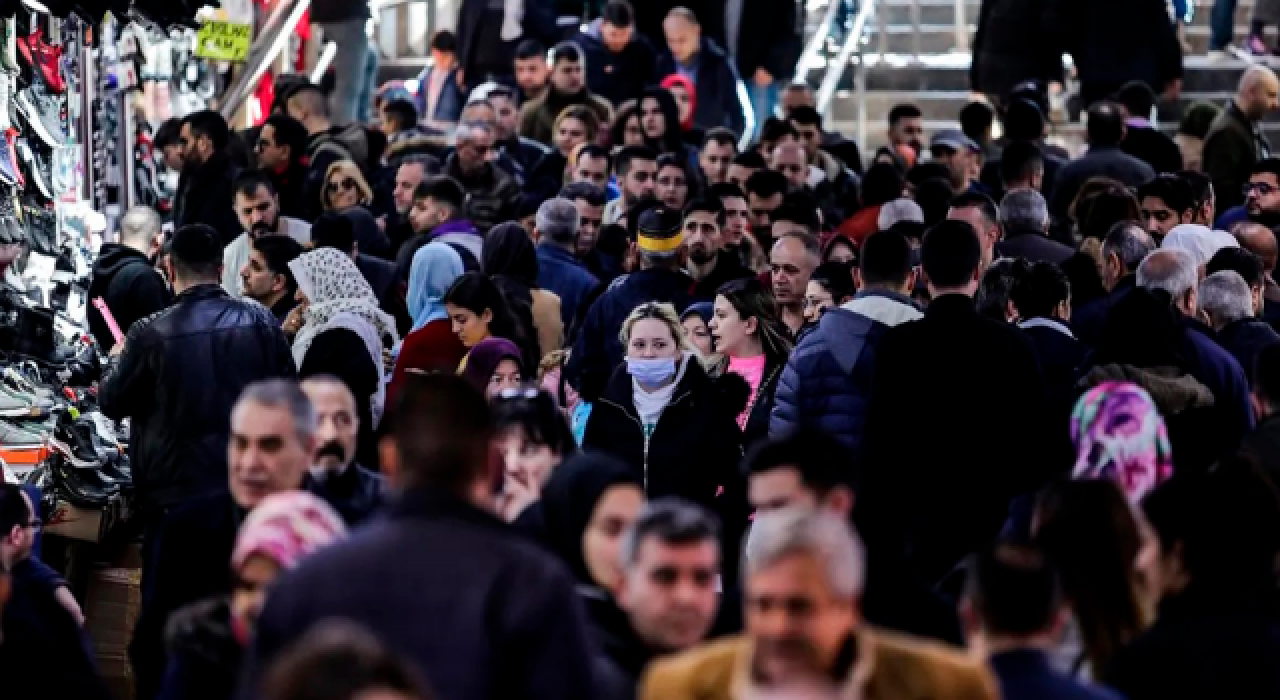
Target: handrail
{"type": "Point", "coordinates": [852, 41]}
{"type": "Point", "coordinates": [814, 47]}
{"type": "Point", "coordinates": [271, 40]}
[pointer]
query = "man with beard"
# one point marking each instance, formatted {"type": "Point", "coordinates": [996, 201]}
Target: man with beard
{"type": "Point", "coordinates": [765, 192]}
{"type": "Point", "coordinates": [1235, 144]}
{"type": "Point", "coordinates": [719, 148]}
{"type": "Point", "coordinates": [1262, 194]}
{"type": "Point", "coordinates": [522, 152]}
{"type": "Point", "coordinates": [412, 171]}
{"type": "Point", "coordinates": [258, 207]}
{"type": "Point", "coordinates": [492, 194]}
{"type": "Point", "coordinates": [710, 265]}
{"type": "Point", "coordinates": [736, 232]}
{"type": "Point", "coordinates": [354, 491]}
{"type": "Point", "coordinates": [266, 277]}
{"type": "Point", "coordinates": [204, 191]}
{"type": "Point", "coordinates": [568, 87]}
{"type": "Point", "coordinates": [637, 170]}
{"type": "Point", "coordinates": [906, 129]}
{"type": "Point", "coordinates": [1166, 202]}
{"type": "Point", "coordinates": [533, 76]}
{"type": "Point", "coordinates": [804, 571]}
{"type": "Point", "coordinates": [590, 201]}
{"type": "Point", "coordinates": [124, 278]}
{"type": "Point", "coordinates": [281, 149]}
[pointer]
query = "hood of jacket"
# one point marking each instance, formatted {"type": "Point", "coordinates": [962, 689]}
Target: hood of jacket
{"type": "Point", "coordinates": [1172, 391]}
{"type": "Point", "coordinates": [888, 308]}
{"type": "Point", "coordinates": [114, 257]}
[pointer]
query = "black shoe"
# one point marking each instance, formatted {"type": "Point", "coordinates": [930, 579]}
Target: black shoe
{"type": "Point", "coordinates": [81, 487]}
{"type": "Point", "coordinates": [73, 439]}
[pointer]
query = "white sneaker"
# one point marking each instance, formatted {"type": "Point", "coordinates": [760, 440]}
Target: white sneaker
{"type": "Point", "coordinates": [1217, 56]}
{"type": "Point", "coordinates": [1239, 53]}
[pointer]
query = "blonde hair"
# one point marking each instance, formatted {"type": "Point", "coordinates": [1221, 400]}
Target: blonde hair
{"type": "Point", "coordinates": [658, 312]}
{"type": "Point", "coordinates": [351, 170]}
{"type": "Point", "coordinates": [582, 113]}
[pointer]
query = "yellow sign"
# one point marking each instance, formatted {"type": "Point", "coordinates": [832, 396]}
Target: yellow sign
{"type": "Point", "coordinates": [224, 41]}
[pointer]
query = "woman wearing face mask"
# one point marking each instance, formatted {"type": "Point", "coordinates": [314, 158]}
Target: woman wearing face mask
{"type": "Point", "coordinates": [431, 345]}
{"type": "Point", "coordinates": [207, 639]}
{"type": "Point", "coordinates": [668, 421]}
{"type": "Point", "coordinates": [493, 366]}
{"type": "Point", "coordinates": [533, 438]}
{"type": "Point", "coordinates": [750, 334]}
{"type": "Point", "coordinates": [479, 310]}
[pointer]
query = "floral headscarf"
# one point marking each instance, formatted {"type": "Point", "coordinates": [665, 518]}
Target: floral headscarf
{"type": "Point", "coordinates": [1119, 434]}
{"type": "Point", "coordinates": [285, 527]}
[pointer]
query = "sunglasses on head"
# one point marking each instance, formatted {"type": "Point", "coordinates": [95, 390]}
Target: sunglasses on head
{"type": "Point", "coordinates": [346, 184]}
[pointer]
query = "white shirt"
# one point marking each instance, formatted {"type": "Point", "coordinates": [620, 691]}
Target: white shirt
{"type": "Point", "coordinates": [236, 254]}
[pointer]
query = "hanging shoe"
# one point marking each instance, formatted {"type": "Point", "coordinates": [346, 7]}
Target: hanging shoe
{"type": "Point", "coordinates": [44, 60]}
{"type": "Point", "coordinates": [9, 45]}
{"type": "Point", "coordinates": [9, 155]}
{"type": "Point", "coordinates": [42, 112]}
{"type": "Point", "coordinates": [35, 168]}
{"type": "Point", "coordinates": [9, 174]}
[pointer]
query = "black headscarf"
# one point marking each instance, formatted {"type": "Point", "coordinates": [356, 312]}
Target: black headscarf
{"type": "Point", "coordinates": [569, 500]}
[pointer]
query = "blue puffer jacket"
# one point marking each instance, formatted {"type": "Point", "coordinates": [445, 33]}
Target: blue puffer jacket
{"type": "Point", "coordinates": [827, 381]}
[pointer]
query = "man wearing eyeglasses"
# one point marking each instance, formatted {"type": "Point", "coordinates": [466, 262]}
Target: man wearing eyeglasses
{"type": "Point", "coordinates": [492, 193]}
{"type": "Point", "coordinates": [1262, 193]}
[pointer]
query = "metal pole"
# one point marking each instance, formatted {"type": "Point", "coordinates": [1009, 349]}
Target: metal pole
{"type": "Point", "coordinates": [915, 28]}
{"type": "Point", "coordinates": [860, 89]}
{"type": "Point", "coordinates": [962, 27]}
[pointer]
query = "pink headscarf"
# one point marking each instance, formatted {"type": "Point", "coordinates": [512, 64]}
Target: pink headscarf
{"type": "Point", "coordinates": [285, 527]}
{"type": "Point", "coordinates": [677, 79]}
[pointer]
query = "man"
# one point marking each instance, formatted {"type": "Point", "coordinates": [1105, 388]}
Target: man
{"type": "Point", "coordinates": [1024, 127]}
{"type": "Point", "coordinates": [1261, 241]}
{"type": "Point", "coordinates": [1015, 613]}
{"type": "Point", "coordinates": [522, 152]}
{"type": "Point", "coordinates": [266, 277]}
{"type": "Point", "coordinates": [1105, 131]}
{"type": "Point", "coordinates": [1226, 300]}
{"type": "Point", "coordinates": [355, 492]}
{"type": "Point", "coordinates": [1262, 194]}
{"type": "Point", "coordinates": [737, 217]}
{"type": "Point", "coordinates": [1021, 167]}
{"type": "Point", "coordinates": [1235, 142]}
{"type": "Point", "coordinates": [281, 148]}
{"type": "Point", "coordinates": [701, 60]}
{"type": "Point", "coordinates": [271, 447]}
{"type": "Point", "coordinates": [1249, 266]}
{"type": "Point", "coordinates": [1124, 248]}
{"type": "Point", "coordinates": [789, 160]}
{"type": "Point", "coordinates": [765, 192]}
{"type": "Point", "coordinates": [619, 61]}
{"type": "Point", "coordinates": [441, 93]}
{"type": "Point", "coordinates": [124, 278]}
{"type": "Point", "coordinates": [766, 43]}
{"type": "Point", "coordinates": [960, 154]}
{"type": "Point", "coordinates": [987, 376]}
{"type": "Point", "coordinates": [204, 191]}
{"type": "Point", "coordinates": [672, 183]}
{"type": "Point", "coordinates": [1041, 296]}
{"type": "Point", "coordinates": [824, 386]}
{"type": "Point", "coordinates": [906, 129]}
{"type": "Point", "coordinates": [660, 277]}
{"type": "Point", "coordinates": [42, 648]}
{"type": "Point", "coordinates": [1106, 54]}
{"type": "Point", "coordinates": [557, 229]}
{"type": "Point", "coordinates": [491, 192]}
{"type": "Point", "coordinates": [804, 572]}
{"type": "Point", "coordinates": [258, 208]}
{"type": "Point", "coordinates": [745, 165]}
{"type": "Point", "coordinates": [798, 215]}
{"type": "Point", "coordinates": [411, 172]}
{"type": "Point", "coordinates": [1202, 197]}
{"type": "Point", "coordinates": [719, 148]}
{"type": "Point", "coordinates": [590, 202]}
{"type": "Point", "coordinates": [710, 265]}
{"type": "Point", "coordinates": [308, 106]}
{"type": "Point", "coordinates": [437, 215]}
{"type": "Point", "coordinates": [533, 75]}
{"type": "Point", "coordinates": [1024, 220]}
{"type": "Point", "coordinates": [439, 460]}
{"type": "Point", "coordinates": [1166, 202]}
{"type": "Point", "coordinates": [593, 166]}
{"type": "Point", "coordinates": [168, 140]}
{"type": "Point", "coordinates": [1141, 139]}
{"type": "Point", "coordinates": [337, 231]}
{"type": "Point", "coordinates": [177, 375]}
{"type": "Point", "coordinates": [668, 593]}
{"type": "Point", "coordinates": [568, 87]}
{"type": "Point", "coordinates": [637, 177]}
{"type": "Point", "coordinates": [836, 174]}
{"type": "Point", "coordinates": [791, 262]}
{"type": "Point", "coordinates": [980, 212]}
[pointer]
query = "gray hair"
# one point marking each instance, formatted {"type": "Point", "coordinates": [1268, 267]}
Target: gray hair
{"type": "Point", "coordinates": [140, 225]}
{"type": "Point", "coordinates": [1129, 243]}
{"type": "Point", "coordinates": [816, 532]}
{"type": "Point", "coordinates": [1170, 269]}
{"type": "Point", "coordinates": [286, 394]}
{"type": "Point", "coordinates": [1226, 297]}
{"type": "Point", "coordinates": [557, 219]}
{"type": "Point", "coordinates": [468, 131]}
{"type": "Point", "coordinates": [901, 209]}
{"type": "Point", "coordinates": [430, 164]}
{"type": "Point", "coordinates": [672, 521]}
{"type": "Point", "coordinates": [1024, 209]}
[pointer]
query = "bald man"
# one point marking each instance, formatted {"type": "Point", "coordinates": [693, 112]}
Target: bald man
{"type": "Point", "coordinates": [1234, 143]}
{"type": "Point", "coordinates": [704, 62]}
{"type": "Point", "coordinates": [124, 277]}
{"type": "Point", "coordinates": [1261, 241]}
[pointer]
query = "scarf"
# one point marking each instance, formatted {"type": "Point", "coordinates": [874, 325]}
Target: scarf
{"type": "Point", "coordinates": [435, 267]}
{"type": "Point", "coordinates": [285, 527]}
{"type": "Point", "coordinates": [1119, 435]}
{"type": "Point", "coordinates": [684, 82]}
{"type": "Point", "coordinates": [569, 500]}
{"type": "Point", "coordinates": [650, 404]}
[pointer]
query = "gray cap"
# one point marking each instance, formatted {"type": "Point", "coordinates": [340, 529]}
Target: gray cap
{"type": "Point", "coordinates": [953, 139]}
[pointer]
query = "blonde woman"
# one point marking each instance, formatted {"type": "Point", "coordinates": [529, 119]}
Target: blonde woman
{"type": "Point", "coordinates": [345, 187]}
{"type": "Point", "coordinates": [661, 415]}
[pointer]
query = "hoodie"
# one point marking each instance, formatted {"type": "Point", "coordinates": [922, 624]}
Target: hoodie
{"type": "Point", "coordinates": [827, 381]}
{"type": "Point", "coordinates": [621, 76]}
{"type": "Point", "coordinates": [133, 290]}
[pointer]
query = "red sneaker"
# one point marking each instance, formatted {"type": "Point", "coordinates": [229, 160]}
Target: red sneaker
{"type": "Point", "coordinates": [44, 59]}
{"type": "Point", "coordinates": [10, 138]}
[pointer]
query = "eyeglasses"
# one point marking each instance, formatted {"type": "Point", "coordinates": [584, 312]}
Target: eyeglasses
{"type": "Point", "coordinates": [1263, 188]}
{"type": "Point", "coordinates": [346, 184]}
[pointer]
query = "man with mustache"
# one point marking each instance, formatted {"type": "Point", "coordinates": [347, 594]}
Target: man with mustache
{"type": "Point", "coordinates": [354, 491]}
{"type": "Point", "coordinates": [709, 263]}
{"type": "Point", "coordinates": [258, 207]}
{"type": "Point", "coordinates": [803, 572]}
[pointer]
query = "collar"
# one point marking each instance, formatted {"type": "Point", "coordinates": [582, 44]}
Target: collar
{"type": "Point", "coordinates": [1044, 322]}
{"type": "Point", "coordinates": [1137, 123]}
{"type": "Point", "coordinates": [1015, 660]}
{"type": "Point", "coordinates": [556, 251]}
{"type": "Point", "coordinates": [854, 667]}
{"type": "Point", "coordinates": [886, 294]}
{"type": "Point", "coordinates": [430, 503]}
{"type": "Point", "coordinates": [454, 226]}
{"type": "Point", "coordinates": [951, 305]}
{"type": "Point", "coordinates": [208, 290]}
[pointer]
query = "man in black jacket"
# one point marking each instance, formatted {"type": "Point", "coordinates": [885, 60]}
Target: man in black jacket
{"type": "Point", "coordinates": [354, 491]}
{"type": "Point", "coordinates": [711, 266]}
{"type": "Point", "coordinates": [124, 278]}
{"type": "Point", "coordinates": [204, 190]}
{"type": "Point", "coordinates": [282, 149]}
{"type": "Point", "coordinates": [715, 79]}
{"type": "Point", "coordinates": [1105, 127]}
{"type": "Point", "coordinates": [308, 106]}
{"type": "Point", "coordinates": [764, 40]}
{"type": "Point", "coordinates": [492, 193]}
{"type": "Point", "coordinates": [620, 62]}
{"type": "Point", "coordinates": [1123, 250]}
{"type": "Point", "coordinates": [1235, 143]}
{"type": "Point", "coordinates": [1142, 139]}
{"type": "Point", "coordinates": [1024, 220]}
{"type": "Point", "coordinates": [533, 643]}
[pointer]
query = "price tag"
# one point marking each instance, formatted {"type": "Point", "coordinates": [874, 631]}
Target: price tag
{"type": "Point", "coordinates": [224, 41]}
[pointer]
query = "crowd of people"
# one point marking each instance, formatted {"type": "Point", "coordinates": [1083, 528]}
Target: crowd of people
{"type": "Point", "coordinates": [548, 387]}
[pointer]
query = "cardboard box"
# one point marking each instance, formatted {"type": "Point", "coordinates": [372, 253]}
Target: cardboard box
{"type": "Point", "coordinates": [113, 598]}
{"type": "Point", "coordinates": [74, 522]}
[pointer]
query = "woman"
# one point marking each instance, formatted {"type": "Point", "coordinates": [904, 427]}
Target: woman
{"type": "Point", "coordinates": [674, 183]}
{"type": "Point", "coordinates": [345, 187]}
{"type": "Point", "coordinates": [479, 310]}
{"type": "Point", "coordinates": [493, 366]}
{"type": "Point", "coordinates": [626, 130]}
{"type": "Point", "coordinates": [749, 332]}
{"type": "Point", "coordinates": [340, 331]}
{"type": "Point", "coordinates": [1092, 535]}
{"type": "Point", "coordinates": [208, 639]}
{"type": "Point", "coordinates": [533, 439]}
{"type": "Point", "coordinates": [660, 121]}
{"type": "Point", "coordinates": [664, 418]}
{"type": "Point", "coordinates": [686, 97]}
{"type": "Point", "coordinates": [696, 321]}
{"type": "Point", "coordinates": [840, 249]}
{"type": "Point", "coordinates": [1119, 435]}
{"type": "Point", "coordinates": [432, 345]}
{"type": "Point", "coordinates": [509, 258]}
{"type": "Point", "coordinates": [831, 284]}
{"type": "Point", "coordinates": [575, 125]}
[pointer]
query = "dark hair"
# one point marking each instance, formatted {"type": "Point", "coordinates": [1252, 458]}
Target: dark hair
{"type": "Point", "coordinates": [618, 127]}
{"type": "Point", "coordinates": [530, 48]}
{"type": "Point", "coordinates": [672, 521]}
{"type": "Point", "coordinates": [934, 196]}
{"type": "Point", "coordinates": [619, 13]}
{"type": "Point", "coordinates": [836, 278]}
{"type": "Point", "coordinates": [14, 511]}
{"type": "Point", "coordinates": [750, 299]}
{"type": "Point", "coordinates": [1023, 121]}
{"type": "Point", "coordinates": [774, 129]}
{"type": "Point", "coordinates": [585, 191]}
{"type": "Point", "coordinates": [921, 172]}
{"type": "Point", "coordinates": [333, 230]}
{"type": "Point", "coordinates": [210, 123]}
{"type": "Point", "coordinates": [566, 51]}
{"type": "Point", "coordinates": [673, 160]}
{"type": "Point", "coordinates": [1040, 290]}
{"type": "Point", "coordinates": [277, 252]}
{"type": "Point", "coordinates": [798, 211]}
{"type": "Point", "coordinates": [806, 116]}
{"type": "Point", "coordinates": [1098, 211]}
{"type": "Point", "coordinates": [169, 133]}
{"type": "Point", "coordinates": [671, 140]}
{"type": "Point", "coordinates": [248, 182]}
{"type": "Point", "coordinates": [992, 299]}
{"type": "Point", "coordinates": [1201, 186]}
{"type": "Point", "coordinates": [537, 414]}
{"type": "Point", "coordinates": [592, 150]}
{"type": "Point", "coordinates": [1266, 374]}
{"type": "Point", "coordinates": [1268, 166]}
{"type": "Point", "coordinates": [708, 205]}
{"type": "Point", "coordinates": [1137, 98]}
{"type": "Point", "coordinates": [767, 183]}
{"type": "Point", "coordinates": [1171, 189]}
{"type": "Point", "coordinates": [1087, 529]}
{"type": "Point", "coordinates": [442, 188]}
{"type": "Point", "coordinates": [882, 184]}
{"type": "Point", "coordinates": [1013, 590]}
{"type": "Point", "coordinates": [193, 252]}
{"type": "Point", "coordinates": [725, 190]}
{"type": "Point", "coordinates": [1243, 261]}
{"type": "Point", "coordinates": [442, 428]}
{"type": "Point", "coordinates": [289, 132]}
{"type": "Point", "coordinates": [886, 259]}
{"type": "Point", "coordinates": [630, 153]}
{"type": "Point", "coordinates": [976, 119]}
{"type": "Point", "coordinates": [951, 253]}
{"type": "Point", "coordinates": [822, 462]}
{"type": "Point", "coordinates": [749, 159]}
{"type": "Point", "coordinates": [1143, 329]}
{"type": "Point", "coordinates": [910, 230]}
{"type": "Point", "coordinates": [904, 111]}
{"type": "Point", "coordinates": [476, 293]}
{"type": "Point", "coordinates": [337, 660]}
{"type": "Point", "coordinates": [1019, 162]}
{"type": "Point", "coordinates": [402, 112]}
{"type": "Point", "coordinates": [721, 136]}
{"type": "Point", "coordinates": [977, 200]}
{"type": "Point", "coordinates": [1105, 124]}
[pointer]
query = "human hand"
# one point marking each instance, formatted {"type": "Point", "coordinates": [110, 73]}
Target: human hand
{"type": "Point", "coordinates": [763, 78]}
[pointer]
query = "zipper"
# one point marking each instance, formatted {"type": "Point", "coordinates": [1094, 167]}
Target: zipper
{"type": "Point", "coordinates": [644, 433]}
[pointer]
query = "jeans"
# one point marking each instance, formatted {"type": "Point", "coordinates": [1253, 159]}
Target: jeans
{"type": "Point", "coordinates": [364, 102]}
{"type": "Point", "coordinates": [764, 99]}
{"type": "Point", "coordinates": [1183, 10]}
{"type": "Point", "coordinates": [1221, 24]}
{"type": "Point", "coordinates": [348, 68]}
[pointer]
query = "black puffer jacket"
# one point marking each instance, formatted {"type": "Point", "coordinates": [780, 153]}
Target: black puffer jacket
{"type": "Point", "coordinates": [180, 374]}
{"type": "Point", "coordinates": [132, 289]}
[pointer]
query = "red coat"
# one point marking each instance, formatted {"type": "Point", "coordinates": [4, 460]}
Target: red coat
{"type": "Point", "coordinates": [432, 348]}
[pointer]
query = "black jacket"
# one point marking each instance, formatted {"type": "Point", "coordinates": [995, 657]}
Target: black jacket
{"type": "Point", "coordinates": [769, 38]}
{"type": "Point", "coordinates": [205, 197]}
{"type": "Point", "coordinates": [1150, 146]}
{"type": "Point", "coordinates": [132, 288]}
{"type": "Point", "coordinates": [728, 268]}
{"type": "Point", "coordinates": [941, 386]}
{"type": "Point", "coordinates": [324, 11]}
{"type": "Point", "coordinates": [357, 493]}
{"type": "Point", "coordinates": [1099, 36]}
{"type": "Point", "coordinates": [492, 194]}
{"type": "Point", "coordinates": [716, 84]}
{"type": "Point", "coordinates": [506, 625]}
{"type": "Point", "coordinates": [1053, 164]}
{"type": "Point", "coordinates": [180, 374]}
{"type": "Point", "coordinates": [1087, 321]}
{"type": "Point", "coordinates": [762, 410]}
{"type": "Point", "coordinates": [1111, 162]}
{"type": "Point", "coordinates": [204, 654]}
{"type": "Point", "coordinates": [291, 189]}
{"type": "Point", "coordinates": [1244, 339]}
{"type": "Point", "coordinates": [1231, 149]}
{"type": "Point", "coordinates": [618, 77]}
{"type": "Point", "coordinates": [1033, 246]}
{"type": "Point", "coordinates": [1010, 47]}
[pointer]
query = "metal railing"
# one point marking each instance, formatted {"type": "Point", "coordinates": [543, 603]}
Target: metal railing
{"type": "Point", "coordinates": [853, 43]}
{"type": "Point", "coordinates": [813, 48]}
{"type": "Point", "coordinates": [267, 45]}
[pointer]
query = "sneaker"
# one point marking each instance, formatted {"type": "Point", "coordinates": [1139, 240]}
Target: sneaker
{"type": "Point", "coordinates": [74, 440]}
{"type": "Point", "coordinates": [44, 60]}
{"type": "Point", "coordinates": [41, 111]}
{"type": "Point", "coordinates": [13, 436]}
{"type": "Point", "coordinates": [9, 154]}
{"type": "Point", "coordinates": [9, 45]}
{"type": "Point", "coordinates": [14, 405]}
{"type": "Point", "coordinates": [35, 168]}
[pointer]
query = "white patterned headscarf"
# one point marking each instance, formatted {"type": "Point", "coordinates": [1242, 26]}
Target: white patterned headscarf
{"type": "Point", "coordinates": [339, 297]}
